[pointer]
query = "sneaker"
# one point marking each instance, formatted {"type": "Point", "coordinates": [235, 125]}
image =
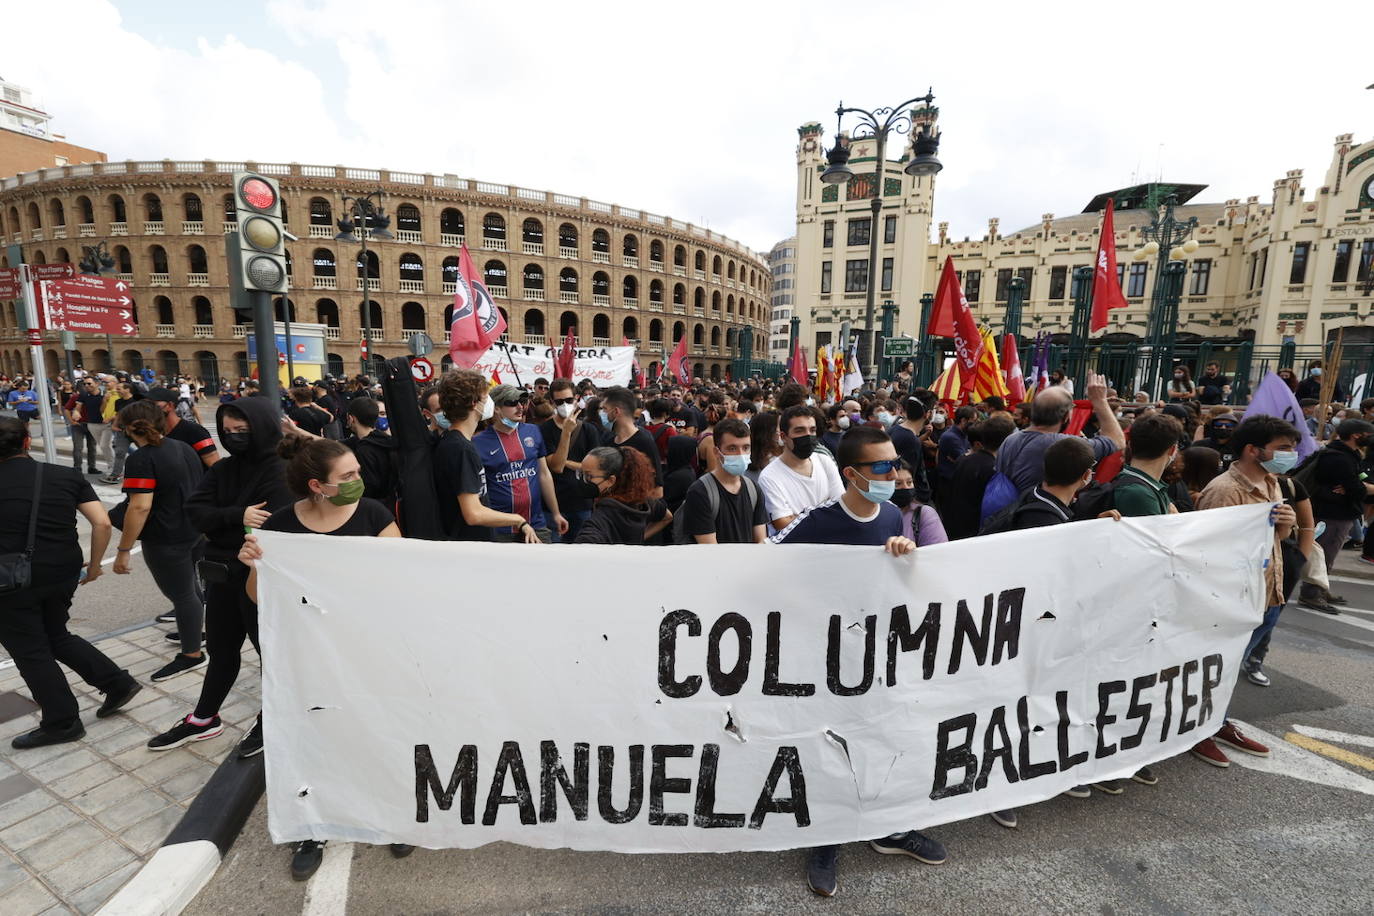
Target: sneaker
{"type": "Point", "coordinates": [169, 617]}
{"type": "Point", "coordinates": [823, 870]}
{"type": "Point", "coordinates": [1005, 818]}
{"type": "Point", "coordinates": [1368, 561]}
{"type": "Point", "coordinates": [179, 665]}
{"type": "Point", "coordinates": [401, 850]}
{"type": "Point", "coordinates": [1233, 738]}
{"type": "Point", "coordinates": [1317, 604]}
{"type": "Point", "coordinates": [1255, 675]}
{"type": "Point", "coordinates": [251, 745]}
{"type": "Point", "coordinates": [175, 637]}
{"type": "Point", "coordinates": [1078, 792]}
{"type": "Point", "coordinates": [917, 845]}
{"type": "Point", "coordinates": [1207, 750]}
{"type": "Point", "coordinates": [1145, 776]}
{"type": "Point", "coordinates": [1352, 545]}
{"type": "Point", "coordinates": [116, 700]}
{"type": "Point", "coordinates": [1109, 786]}
{"type": "Point", "coordinates": [1334, 599]}
{"type": "Point", "coordinates": [42, 737]}
{"type": "Point", "coordinates": [110, 478]}
{"type": "Point", "coordinates": [184, 733]}
{"type": "Point", "coordinates": [305, 861]}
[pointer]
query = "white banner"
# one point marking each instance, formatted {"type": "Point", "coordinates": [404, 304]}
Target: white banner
{"type": "Point", "coordinates": [605, 366]}
{"type": "Point", "coordinates": [439, 694]}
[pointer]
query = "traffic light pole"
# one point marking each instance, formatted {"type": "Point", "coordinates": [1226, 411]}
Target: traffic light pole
{"type": "Point", "coordinates": [265, 333]}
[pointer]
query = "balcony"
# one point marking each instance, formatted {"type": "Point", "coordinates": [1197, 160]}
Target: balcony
{"type": "Point", "coordinates": [699, 311]}
{"type": "Point", "coordinates": [378, 335]}
{"type": "Point", "coordinates": [729, 284]}
{"type": "Point", "coordinates": [568, 296]}
{"type": "Point", "coordinates": [450, 286]}
{"type": "Point", "coordinates": [715, 278]}
{"type": "Point", "coordinates": [536, 340]}
{"type": "Point", "coordinates": [699, 274]}
{"type": "Point", "coordinates": [679, 270]}
{"type": "Point", "coordinates": [568, 253]}
{"type": "Point", "coordinates": [498, 292]}
{"type": "Point", "coordinates": [229, 226]}
{"type": "Point", "coordinates": [126, 277]}
{"type": "Point", "coordinates": [165, 330]}
{"type": "Point", "coordinates": [715, 351]}
{"type": "Point", "coordinates": [630, 302]}
{"type": "Point", "coordinates": [448, 335]}
{"type": "Point", "coordinates": [197, 279]}
{"type": "Point", "coordinates": [321, 232]}
{"type": "Point", "coordinates": [601, 341]}
{"type": "Point", "coordinates": [373, 283]}
{"type": "Point", "coordinates": [532, 247]}
{"type": "Point", "coordinates": [202, 331]}
{"type": "Point", "coordinates": [656, 266]}
{"type": "Point", "coordinates": [408, 333]}
{"type": "Point", "coordinates": [154, 227]}
{"type": "Point", "coordinates": [192, 227]}
{"type": "Point", "coordinates": [412, 236]}
{"type": "Point", "coordinates": [36, 235]}
{"type": "Point", "coordinates": [331, 333]}
{"type": "Point", "coordinates": [534, 295]}
{"type": "Point", "coordinates": [59, 233]}
{"type": "Point", "coordinates": [240, 331]}
{"type": "Point", "coordinates": [629, 260]}
{"type": "Point", "coordinates": [601, 257]}
{"type": "Point", "coordinates": [655, 306]}
{"type": "Point", "coordinates": [451, 240]}
{"type": "Point", "coordinates": [494, 244]}
{"type": "Point", "coordinates": [86, 230]}
{"type": "Point", "coordinates": [325, 283]}
{"type": "Point", "coordinates": [159, 279]}
{"type": "Point", "coordinates": [679, 309]}
{"type": "Point", "coordinates": [412, 286]}
{"type": "Point", "coordinates": [119, 228]}
{"type": "Point", "coordinates": [601, 300]}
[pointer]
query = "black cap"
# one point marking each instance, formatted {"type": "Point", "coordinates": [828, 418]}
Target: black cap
{"type": "Point", "coordinates": [1353, 427]}
{"type": "Point", "coordinates": [163, 394]}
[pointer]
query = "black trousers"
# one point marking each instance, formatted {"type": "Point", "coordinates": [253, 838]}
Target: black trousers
{"type": "Point", "coordinates": [229, 618]}
{"type": "Point", "coordinates": [33, 630]}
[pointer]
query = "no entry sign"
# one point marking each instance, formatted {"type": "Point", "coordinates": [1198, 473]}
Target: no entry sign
{"type": "Point", "coordinates": [421, 369]}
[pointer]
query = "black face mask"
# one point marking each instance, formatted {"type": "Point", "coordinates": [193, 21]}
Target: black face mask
{"type": "Point", "coordinates": [1221, 433]}
{"type": "Point", "coordinates": [236, 443]}
{"type": "Point", "coordinates": [903, 497]}
{"type": "Point", "coordinates": [803, 446]}
{"type": "Point", "coordinates": [589, 489]}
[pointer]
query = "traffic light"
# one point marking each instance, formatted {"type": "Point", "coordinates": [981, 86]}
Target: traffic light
{"type": "Point", "coordinates": [262, 244]}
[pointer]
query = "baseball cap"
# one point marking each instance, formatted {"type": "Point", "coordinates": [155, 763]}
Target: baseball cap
{"type": "Point", "coordinates": [162, 394]}
{"type": "Point", "coordinates": [507, 395]}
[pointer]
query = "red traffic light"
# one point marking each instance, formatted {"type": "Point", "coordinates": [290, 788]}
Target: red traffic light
{"type": "Point", "coordinates": [258, 194]}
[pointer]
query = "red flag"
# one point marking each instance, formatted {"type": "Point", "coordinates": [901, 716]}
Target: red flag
{"type": "Point", "coordinates": [1011, 368]}
{"type": "Point", "coordinates": [799, 373]}
{"type": "Point", "coordinates": [1106, 286]}
{"type": "Point", "coordinates": [563, 363]}
{"type": "Point", "coordinates": [1078, 418]}
{"type": "Point", "coordinates": [948, 295]}
{"type": "Point", "coordinates": [678, 370]}
{"type": "Point", "coordinates": [477, 322]}
{"type": "Point", "coordinates": [956, 320]}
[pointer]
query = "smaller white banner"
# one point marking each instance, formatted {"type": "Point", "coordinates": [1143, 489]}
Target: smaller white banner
{"type": "Point", "coordinates": [523, 363]}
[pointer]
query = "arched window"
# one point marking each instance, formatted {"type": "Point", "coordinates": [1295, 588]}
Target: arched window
{"type": "Point", "coordinates": [124, 263]}
{"type": "Point", "coordinates": [680, 256]}
{"type": "Point", "coordinates": [730, 337]}
{"type": "Point", "coordinates": [715, 301]}
{"type": "Point", "coordinates": [601, 327]}
{"type": "Point", "coordinates": [656, 251]}
{"type": "Point", "coordinates": [412, 268]}
{"type": "Point", "coordinates": [494, 230]}
{"type": "Point", "coordinates": [715, 336]}
{"type": "Point", "coordinates": [698, 335]}
{"type": "Point", "coordinates": [451, 222]}
{"type": "Point", "coordinates": [700, 262]}
{"type": "Point", "coordinates": [494, 274]}
{"type": "Point", "coordinates": [39, 257]}
{"type": "Point", "coordinates": [450, 270]}
{"type": "Point", "coordinates": [533, 278]}
{"type": "Point", "coordinates": [158, 255]}
{"type": "Point", "coordinates": [321, 212]}
{"type": "Point", "coordinates": [204, 313]}
{"type": "Point", "coordinates": [163, 306]}
{"type": "Point", "coordinates": [630, 327]}
{"type": "Point", "coordinates": [152, 208]}
{"type": "Point", "coordinates": [567, 280]}
{"type": "Point", "coordinates": [729, 305]}
{"type": "Point", "coordinates": [699, 299]}
{"type": "Point", "coordinates": [730, 271]}
{"type": "Point", "coordinates": [679, 294]}
{"type": "Point", "coordinates": [375, 310]}
{"type": "Point", "coordinates": [285, 312]}
{"type": "Point", "coordinates": [85, 210]}
{"type": "Point", "coordinates": [117, 212]}
{"type": "Point", "coordinates": [322, 262]}
{"type": "Point", "coordinates": [408, 218]}
{"type": "Point", "coordinates": [60, 256]}
{"type": "Point", "coordinates": [601, 240]}
{"type": "Point", "coordinates": [57, 214]}
{"type": "Point", "coordinates": [629, 248]}
{"type": "Point", "coordinates": [191, 209]}
{"type": "Point", "coordinates": [532, 232]}
{"type": "Point", "coordinates": [327, 313]}
{"type": "Point", "coordinates": [195, 256]}
{"type": "Point", "coordinates": [629, 288]}
{"type": "Point", "coordinates": [679, 329]}
{"type": "Point", "coordinates": [656, 331]}
{"type": "Point", "coordinates": [534, 323]}
{"type": "Point", "coordinates": [567, 322]}
{"type": "Point", "coordinates": [35, 219]}
{"type": "Point", "coordinates": [374, 270]}
{"type": "Point", "coordinates": [715, 265]}
{"type": "Point", "coordinates": [601, 284]}
{"type": "Point", "coordinates": [656, 292]}
{"type": "Point", "coordinates": [412, 316]}
{"type": "Point", "coordinates": [567, 236]}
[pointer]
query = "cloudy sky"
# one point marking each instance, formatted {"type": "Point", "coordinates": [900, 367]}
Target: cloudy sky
{"type": "Point", "coordinates": [691, 110]}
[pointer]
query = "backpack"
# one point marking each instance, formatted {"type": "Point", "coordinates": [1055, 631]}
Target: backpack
{"type": "Point", "coordinates": [1096, 498]}
{"type": "Point", "coordinates": [1000, 494]}
{"type": "Point", "coordinates": [1306, 473]}
{"type": "Point", "coordinates": [680, 535]}
{"type": "Point", "coordinates": [1004, 519]}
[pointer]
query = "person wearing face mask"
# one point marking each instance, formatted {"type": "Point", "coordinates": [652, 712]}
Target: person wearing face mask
{"type": "Point", "coordinates": [517, 470]}
{"type": "Point", "coordinates": [920, 523]}
{"type": "Point", "coordinates": [837, 424]}
{"type": "Point", "coordinates": [617, 413]}
{"type": "Point", "coordinates": [953, 444]}
{"type": "Point", "coordinates": [620, 481]}
{"type": "Point", "coordinates": [238, 492]}
{"type": "Point", "coordinates": [569, 440]}
{"type": "Point", "coordinates": [377, 452]}
{"type": "Point", "coordinates": [735, 512]}
{"type": "Point", "coordinates": [801, 478]}
{"type": "Point", "coordinates": [907, 437]}
{"type": "Point", "coordinates": [1311, 387]}
{"type": "Point", "coordinates": [1338, 495]}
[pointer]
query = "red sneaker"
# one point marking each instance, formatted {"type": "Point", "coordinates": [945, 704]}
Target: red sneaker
{"type": "Point", "coordinates": [1232, 737]}
{"type": "Point", "coordinates": [1207, 750]}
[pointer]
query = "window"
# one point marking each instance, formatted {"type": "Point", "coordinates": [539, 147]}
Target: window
{"type": "Point", "coordinates": [887, 274]}
{"type": "Point", "coordinates": [1297, 272]}
{"type": "Point", "coordinates": [1136, 286]}
{"type": "Point", "coordinates": [1058, 281]}
{"type": "Point", "coordinates": [1120, 275]}
{"type": "Point", "coordinates": [856, 275]}
{"type": "Point", "coordinates": [1341, 271]}
{"type": "Point", "coordinates": [827, 235]}
{"type": "Point", "coordinates": [1027, 274]}
{"type": "Point", "coordinates": [1202, 275]}
{"type": "Point", "coordinates": [1263, 258]}
{"type": "Point", "coordinates": [1366, 266]}
{"type": "Point", "coordinates": [860, 230]}
{"type": "Point", "coordinates": [973, 283]}
{"type": "Point", "coordinates": [825, 277]}
{"type": "Point", "coordinates": [1003, 278]}
{"type": "Point", "coordinates": [889, 229]}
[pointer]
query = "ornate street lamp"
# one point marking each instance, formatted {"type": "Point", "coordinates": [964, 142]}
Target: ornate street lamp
{"type": "Point", "coordinates": [876, 125]}
{"type": "Point", "coordinates": [362, 212]}
{"type": "Point", "coordinates": [1169, 242]}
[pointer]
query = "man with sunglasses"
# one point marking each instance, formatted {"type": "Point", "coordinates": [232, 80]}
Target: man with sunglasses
{"type": "Point", "coordinates": [569, 441]}
{"type": "Point", "coordinates": [863, 515]}
{"type": "Point", "coordinates": [1221, 431]}
{"type": "Point", "coordinates": [517, 470]}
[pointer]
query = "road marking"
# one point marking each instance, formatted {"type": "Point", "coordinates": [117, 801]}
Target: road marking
{"type": "Point", "coordinates": [1330, 750]}
{"type": "Point", "coordinates": [326, 893]}
{"type": "Point", "coordinates": [1289, 759]}
{"type": "Point", "coordinates": [1343, 618]}
{"type": "Point", "coordinates": [1351, 580]}
{"type": "Point", "coordinates": [1325, 734]}
{"type": "Point", "coordinates": [110, 559]}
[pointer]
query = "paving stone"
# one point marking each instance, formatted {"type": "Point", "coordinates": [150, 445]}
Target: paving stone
{"type": "Point", "coordinates": [46, 855]}
{"type": "Point", "coordinates": [14, 704]}
{"type": "Point", "coordinates": [84, 780]}
{"type": "Point", "coordinates": [25, 806]}
{"type": "Point", "coordinates": [27, 899]}
{"type": "Point", "coordinates": [42, 825]}
{"type": "Point", "coordinates": [34, 757]}
{"type": "Point", "coordinates": [132, 811]}
{"type": "Point", "coordinates": [90, 898]}
{"type": "Point", "coordinates": [17, 727]}
{"type": "Point", "coordinates": [161, 713]}
{"type": "Point", "coordinates": [164, 764]}
{"type": "Point", "coordinates": [6, 769]}
{"type": "Point", "coordinates": [148, 834]}
{"type": "Point", "coordinates": [75, 759]}
{"type": "Point", "coordinates": [100, 728]}
{"type": "Point", "coordinates": [133, 735]}
{"type": "Point", "coordinates": [91, 866]}
{"type": "Point", "coordinates": [186, 784]}
{"type": "Point", "coordinates": [15, 785]}
{"type": "Point", "coordinates": [11, 872]}
{"type": "Point", "coordinates": [107, 794]}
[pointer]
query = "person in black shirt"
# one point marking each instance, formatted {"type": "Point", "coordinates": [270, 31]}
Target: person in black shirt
{"type": "Point", "coordinates": [963, 498]}
{"type": "Point", "coordinates": [566, 454]}
{"type": "Point", "coordinates": [306, 414]}
{"type": "Point", "coordinates": [161, 477]}
{"type": "Point", "coordinates": [377, 452]}
{"type": "Point", "coordinates": [625, 511]}
{"type": "Point", "coordinates": [679, 474]}
{"type": "Point", "coordinates": [906, 436]}
{"type": "Point", "coordinates": [188, 431]}
{"type": "Point", "coordinates": [33, 625]}
{"type": "Point", "coordinates": [87, 422]}
{"type": "Point", "coordinates": [1212, 386]}
{"type": "Point", "coordinates": [740, 516]}
{"type": "Point", "coordinates": [618, 415]}
{"type": "Point", "coordinates": [1219, 432]}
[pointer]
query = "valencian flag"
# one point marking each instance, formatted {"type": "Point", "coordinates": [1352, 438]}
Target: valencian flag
{"type": "Point", "coordinates": [988, 380]}
{"type": "Point", "coordinates": [822, 373]}
{"type": "Point", "coordinates": [1011, 361]}
{"type": "Point", "coordinates": [477, 322]}
{"type": "Point", "coordinates": [837, 374]}
{"type": "Point", "coordinates": [951, 317]}
{"type": "Point", "coordinates": [677, 363]}
{"type": "Point", "coordinates": [853, 375]}
{"type": "Point", "coordinates": [1106, 286]}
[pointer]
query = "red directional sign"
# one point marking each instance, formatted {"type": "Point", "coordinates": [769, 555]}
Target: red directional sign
{"type": "Point", "coordinates": [89, 319]}
{"type": "Point", "coordinates": [90, 291]}
{"type": "Point", "coordinates": [92, 305]}
{"type": "Point", "coordinates": [9, 283]}
{"type": "Point", "coordinates": [51, 271]}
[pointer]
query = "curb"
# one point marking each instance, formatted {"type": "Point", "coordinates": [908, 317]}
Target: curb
{"type": "Point", "coordinates": [1354, 570]}
{"type": "Point", "coordinates": [193, 851]}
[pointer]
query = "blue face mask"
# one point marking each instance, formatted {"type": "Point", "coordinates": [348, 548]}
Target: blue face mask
{"type": "Point", "coordinates": [605, 419]}
{"type": "Point", "coordinates": [879, 491]}
{"type": "Point", "coordinates": [734, 464]}
{"type": "Point", "coordinates": [1281, 463]}
{"type": "Point", "coordinates": [884, 417]}
{"type": "Point", "coordinates": [440, 420]}
{"type": "Point", "coordinates": [382, 424]}
{"type": "Point", "coordinates": [510, 423]}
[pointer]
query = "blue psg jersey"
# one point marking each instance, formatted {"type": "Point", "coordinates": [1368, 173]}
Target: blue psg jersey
{"type": "Point", "coordinates": [511, 462]}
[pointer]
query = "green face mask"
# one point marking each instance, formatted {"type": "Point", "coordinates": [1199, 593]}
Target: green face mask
{"type": "Point", "coordinates": [350, 491]}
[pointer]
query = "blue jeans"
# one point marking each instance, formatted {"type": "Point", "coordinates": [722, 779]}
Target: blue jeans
{"type": "Point", "coordinates": [575, 522]}
{"type": "Point", "coordinates": [1271, 617]}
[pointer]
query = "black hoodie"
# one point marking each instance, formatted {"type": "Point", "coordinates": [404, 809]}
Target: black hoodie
{"type": "Point", "coordinates": [239, 481]}
{"type": "Point", "coordinates": [614, 522]}
{"type": "Point", "coordinates": [379, 463]}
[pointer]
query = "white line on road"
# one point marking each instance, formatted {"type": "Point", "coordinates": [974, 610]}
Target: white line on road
{"type": "Point", "coordinates": [1340, 618]}
{"type": "Point", "coordinates": [1287, 759]}
{"type": "Point", "coordinates": [1324, 734]}
{"type": "Point", "coordinates": [326, 893]}
{"type": "Point", "coordinates": [1351, 580]}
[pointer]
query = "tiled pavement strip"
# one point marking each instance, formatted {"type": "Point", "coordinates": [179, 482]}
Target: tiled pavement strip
{"type": "Point", "coordinates": [78, 820]}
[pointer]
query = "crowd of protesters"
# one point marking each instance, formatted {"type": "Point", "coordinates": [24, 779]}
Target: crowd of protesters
{"type": "Point", "coordinates": [560, 461]}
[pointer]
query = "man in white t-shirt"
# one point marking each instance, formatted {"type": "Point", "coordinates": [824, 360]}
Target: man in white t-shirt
{"type": "Point", "coordinates": [797, 479]}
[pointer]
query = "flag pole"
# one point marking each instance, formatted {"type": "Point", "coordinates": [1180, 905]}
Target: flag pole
{"type": "Point", "coordinates": [513, 368]}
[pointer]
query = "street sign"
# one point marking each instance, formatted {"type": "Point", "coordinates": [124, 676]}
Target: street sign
{"type": "Point", "coordinates": [898, 346]}
{"type": "Point", "coordinates": [421, 344]}
{"type": "Point", "coordinates": [51, 271]}
{"type": "Point", "coordinates": [362, 346]}
{"type": "Point", "coordinates": [89, 319]}
{"type": "Point", "coordinates": [421, 369]}
{"type": "Point", "coordinates": [9, 283]}
{"type": "Point", "coordinates": [90, 291]}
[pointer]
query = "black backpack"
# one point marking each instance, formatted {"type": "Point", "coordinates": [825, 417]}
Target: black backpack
{"type": "Point", "coordinates": [1004, 519]}
{"type": "Point", "coordinates": [680, 535]}
{"type": "Point", "coordinates": [1096, 498]}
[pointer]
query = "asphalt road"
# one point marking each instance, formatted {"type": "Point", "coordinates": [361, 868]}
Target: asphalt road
{"type": "Point", "coordinates": [1291, 837]}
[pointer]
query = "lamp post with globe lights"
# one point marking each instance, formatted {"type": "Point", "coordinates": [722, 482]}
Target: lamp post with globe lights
{"type": "Point", "coordinates": [1169, 241]}
{"type": "Point", "coordinates": [363, 213]}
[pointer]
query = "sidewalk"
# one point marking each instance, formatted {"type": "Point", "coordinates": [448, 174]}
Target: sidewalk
{"type": "Point", "coordinates": [1348, 564]}
{"type": "Point", "coordinates": [78, 820]}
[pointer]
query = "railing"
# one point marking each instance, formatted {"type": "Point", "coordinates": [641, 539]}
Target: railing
{"type": "Point", "coordinates": [679, 271]}
{"type": "Point", "coordinates": [229, 226]}
{"type": "Point", "coordinates": [59, 233]}
{"type": "Point", "coordinates": [534, 295]}
{"type": "Point", "coordinates": [202, 330]}
{"type": "Point", "coordinates": [320, 232]}
{"type": "Point", "coordinates": [126, 277]}
{"type": "Point", "coordinates": [601, 257]}
{"type": "Point", "coordinates": [119, 228]}
{"type": "Point", "coordinates": [35, 235]}
{"type": "Point", "coordinates": [532, 247]}
{"type": "Point", "coordinates": [408, 334]}
{"type": "Point", "coordinates": [565, 252]}
{"type": "Point", "coordinates": [536, 340]}
{"type": "Point", "coordinates": [569, 296]}
{"type": "Point", "coordinates": [331, 333]}
{"type": "Point", "coordinates": [197, 279]}
{"type": "Point", "coordinates": [450, 286]}
{"type": "Point", "coordinates": [192, 227]}
{"type": "Point", "coordinates": [240, 331]}
{"type": "Point", "coordinates": [165, 330]}
{"type": "Point", "coordinates": [600, 300]}
{"type": "Point", "coordinates": [373, 283]}
{"type": "Point", "coordinates": [629, 260]}
{"type": "Point", "coordinates": [412, 286]}
{"type": "Point", "coordinates": [325, 283]}
{"type": "Point", "coordinates": [699, 311]}
{"type": "Point", "coordinates": [655, 306]}
{"type": "Point", "coordinates": [630, 302]}
{"type": "Point", "coordinates": [499, 292]}
{"type": "Point", "coordinates": [494, 245]}
{"type": "Point", "coordinates": [448, 335]}
{"type": "Point", "coordinates": [159, 279]}
{"type": "Point", "coordinates": [601, 341]}
{"type": "Point", "coordinates": [451, 240]}
{"type": "Point", "coordinates": [409, 235]}
{"type": "Point", "coordinates": [679, 309]}
{"type": "Point", "coordinates": [86, 230]}
{"type": "Point", "coordinates": [153, 227]}
{"type": "Point", "coordinates": [656, 266]}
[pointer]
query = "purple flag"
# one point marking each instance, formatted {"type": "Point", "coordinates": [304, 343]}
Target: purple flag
{"type": "Point", "coordinates": [1275, 399]}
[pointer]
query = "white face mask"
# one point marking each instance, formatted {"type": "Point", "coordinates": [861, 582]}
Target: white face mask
{"type": "Point", "coordinates": [842, 421]}
{"type": "Point", "coordinates": [565, 410]}
{"type": "Point", "coordinates": [488, 408]}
